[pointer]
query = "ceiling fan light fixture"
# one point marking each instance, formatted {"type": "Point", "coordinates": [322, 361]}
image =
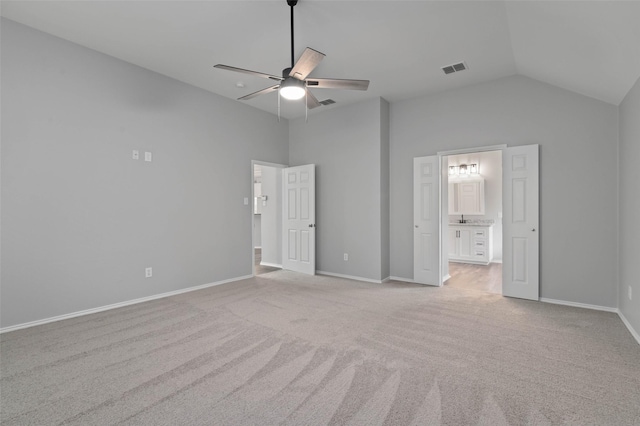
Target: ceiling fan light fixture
{"type": "Point", "coordinates": [292, 89]}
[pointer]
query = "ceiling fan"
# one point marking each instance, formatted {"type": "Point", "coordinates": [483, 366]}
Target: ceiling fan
{"type": "Point", "coordinates": [294, 83]}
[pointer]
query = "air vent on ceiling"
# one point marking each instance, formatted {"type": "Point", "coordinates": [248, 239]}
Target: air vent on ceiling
{"type": "Point", "coordinates": [328, 102]}
{"type": "Point", "coordinates": [449, 69]}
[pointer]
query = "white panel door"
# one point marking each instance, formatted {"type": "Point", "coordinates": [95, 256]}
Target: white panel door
{"type": "Point", "coordinates": [299, 219]}
{"type": "Point", "coordinates": [520, 226]}
{"type": "Point", "coordinates": [426, 216]}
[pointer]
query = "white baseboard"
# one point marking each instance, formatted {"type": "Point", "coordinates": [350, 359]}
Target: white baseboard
{"type": "Point", "coordinates": [258, 247]}
{"type": "Point", "coordinates": [351, 277]}
{"type": "Point", "coordinates": [409, 280]}
{"type": "Point", "coordinates": [496, 260]}
{"type": "Point", "coordinates": [406, 280]}
{"type": "Point", "coordinates": [445, 278]}
{"type": "Point", "coordinates": [634, 333]}
{"type": "Point", "coordinates": [273, 265]}
{"type": "Point", "coordinates": [579, 305]}
{"type": "Point", "coordinates": [117, 305]}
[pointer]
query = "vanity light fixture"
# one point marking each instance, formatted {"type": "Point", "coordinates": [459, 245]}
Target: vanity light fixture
{"type": "Point", "coordinates": [464, 170]}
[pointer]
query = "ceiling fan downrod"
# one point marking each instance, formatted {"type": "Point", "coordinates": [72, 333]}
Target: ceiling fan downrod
{"type": "Point", "coordinates": [292, 3]}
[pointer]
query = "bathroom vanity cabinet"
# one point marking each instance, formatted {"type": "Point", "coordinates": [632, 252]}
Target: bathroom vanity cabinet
{"type": "Point", "coordinates": [470, 243]}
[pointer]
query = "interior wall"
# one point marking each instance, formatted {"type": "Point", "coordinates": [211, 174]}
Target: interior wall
{"type": "Point", "coordinates": [345, 145]}
{"type": "Point", "coordinates": [272, 216]}
{"type": "Point", "coordinates": [81, 220]}
{"type": "Point", "coordinates": [629, 208]}
{"type": "Point", "coordinates": [578, 217]}
{"type": "Point", "coordinates": [490, 169]}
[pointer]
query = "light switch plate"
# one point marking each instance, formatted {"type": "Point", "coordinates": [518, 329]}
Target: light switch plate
{"type": "Point", "coordinates": [147, 156]}
{"type": "Point", "coordinates": [136, 154]}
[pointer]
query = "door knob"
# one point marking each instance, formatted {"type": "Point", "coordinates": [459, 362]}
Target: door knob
{"type": "Point", "coordinates": [416, 226]}
{"type": "Point", "coordinates": [533, 230]}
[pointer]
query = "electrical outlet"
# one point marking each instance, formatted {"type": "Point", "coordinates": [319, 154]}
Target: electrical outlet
{"type": "Point", "coordinates": [148, 272]}
{"type": "Point", "coordinates": [136, 154]}
{"type": "Point", "coordinates": [147, 156]}
{"type": "Point", "coordinates": [630, 293]}
{"type": "Point", "coordinates": [346, 257]}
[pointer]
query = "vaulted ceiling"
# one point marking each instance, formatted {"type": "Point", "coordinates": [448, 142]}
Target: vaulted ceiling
{"type": "Point", "coordinates": [590, 47]}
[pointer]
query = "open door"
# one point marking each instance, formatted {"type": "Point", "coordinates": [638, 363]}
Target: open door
{"type": "Point", "coordinates": [299, 219]}
{"type": "Point", "coordinates": [426, 217]}
{"type": "Point", "coordinates": [520, 226]}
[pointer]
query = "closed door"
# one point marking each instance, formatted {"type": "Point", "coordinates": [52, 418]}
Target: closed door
{"type": "Point", "coordinates": [299, 216]}
{"type": "Point", "coordinates": [520, 225]}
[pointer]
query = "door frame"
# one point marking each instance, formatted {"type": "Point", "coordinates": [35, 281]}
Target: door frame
{"type": "Point", "coordinates": [251, 200]}
{"type": "Point", "coordinates": [444, 200]}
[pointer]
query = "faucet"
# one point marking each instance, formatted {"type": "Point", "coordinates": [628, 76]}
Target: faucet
{"type": "Point", "coordinates": [462, 220]}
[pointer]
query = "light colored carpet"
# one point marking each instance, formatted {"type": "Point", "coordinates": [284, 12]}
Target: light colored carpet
{"type": "Point", "coordinates": [286, 349]}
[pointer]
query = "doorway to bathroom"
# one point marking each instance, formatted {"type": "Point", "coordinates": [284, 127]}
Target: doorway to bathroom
{"type": "Point", "coordinates": [472, 221]}
{"type": "Point", "coordinates": [520, 220]}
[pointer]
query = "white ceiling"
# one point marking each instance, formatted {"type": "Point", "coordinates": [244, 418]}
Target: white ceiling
{"type": "Point", "coordinates": [590, 47]}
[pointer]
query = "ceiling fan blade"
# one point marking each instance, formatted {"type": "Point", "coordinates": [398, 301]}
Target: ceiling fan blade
{"type": "Point", "coordinates": [312, 101]}
{"type": "Point", "coordinates": [334, 83]}
{"type": "Point", "coordinates": [254, 73]}
{"type": "Point", "coordinates": [259, 92]}
{"type": "Point", "coordinates": [308, 61]}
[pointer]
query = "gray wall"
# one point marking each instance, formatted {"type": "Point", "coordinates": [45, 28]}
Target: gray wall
{"type": "Point", "coordinates": [578, 204]}
{"type": "Point", "coordinates": [629, 230]}
{"type": "Point", "coordinates": [345, 144]}
{"type": "Point", "coordinates": [272, 215]}
{"type": "Point", "coordinates": [81, 219]}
